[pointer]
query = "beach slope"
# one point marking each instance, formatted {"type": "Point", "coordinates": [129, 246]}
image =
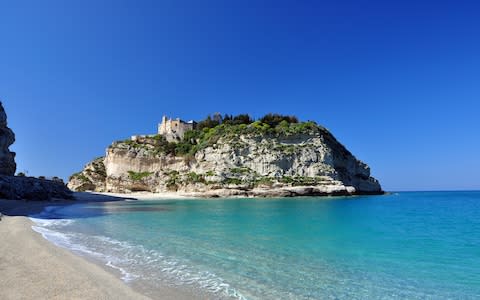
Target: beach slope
{"type": "Point", "coordinates": [33, 268]}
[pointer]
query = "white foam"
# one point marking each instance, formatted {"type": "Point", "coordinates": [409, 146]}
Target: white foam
{"type": "Point", "coordinates": [51, 222]}
{"type": "Point", "coordinates": [63, 240]}
{"type": "Point", "coordinates": [155, 266]}
{"type": "Point", "coordinates": [126, 276]}
{"type": "Point", "coordinates": [132, 260]}
{"type": "Point", "coordinates": [55, 237]}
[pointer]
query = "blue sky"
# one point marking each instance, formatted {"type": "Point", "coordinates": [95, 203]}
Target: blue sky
{"type": "Point", "coordinates": [398, 82]}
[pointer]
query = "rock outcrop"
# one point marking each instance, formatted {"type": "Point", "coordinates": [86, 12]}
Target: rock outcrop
{"type": "Point", "coordinates": [92, 178]}
{"type": "Point", "coordinates": [21, 187]}
{"type": "Point", "coordinates": [7, 158]}
{"type": "Point", "coordinates": [30, 188]}
{"type": "Point", "coordinates": [294, 160]}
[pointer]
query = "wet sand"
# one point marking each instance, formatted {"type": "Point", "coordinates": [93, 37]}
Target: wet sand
{"type": "Point", "coordinates": [33, 268]}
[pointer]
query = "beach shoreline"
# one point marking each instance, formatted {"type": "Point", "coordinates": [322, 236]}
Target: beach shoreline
{"type": "Point", "coordinates": [258, 193]}
{"type": "Point", "coordinates": [106, 196]}
{"type": "Point", "coordinates": [35, 268]}
{"type": "Point", "coordinates": [47, 270]}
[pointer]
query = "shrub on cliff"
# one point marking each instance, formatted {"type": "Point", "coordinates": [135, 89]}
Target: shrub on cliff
{"type": "Point", "coordinates": [237, 120]}
{"type": "Point", "coordinates": [137, 176]}
{"type": "Point", "coordinates": [275, 119]}
{"type": "Point", "coordinates": [208, 123]}
{"type": "Point", "coordinates": [227, 128]}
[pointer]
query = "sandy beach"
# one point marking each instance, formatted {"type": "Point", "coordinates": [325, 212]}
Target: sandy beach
{"type": "Point", "coordinates": [33, 268]}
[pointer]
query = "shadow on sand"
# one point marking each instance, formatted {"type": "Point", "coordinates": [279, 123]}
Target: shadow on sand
{"type": "Point", "coordinates": [39, 209]}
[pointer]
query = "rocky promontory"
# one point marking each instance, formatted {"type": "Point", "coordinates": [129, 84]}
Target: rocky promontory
{"type": "Point", "coordinates": [22, 187]}
{"type": "Point", "coordinates": [231, 156]}
{"type": "Point", "coordinates": [7, 158]}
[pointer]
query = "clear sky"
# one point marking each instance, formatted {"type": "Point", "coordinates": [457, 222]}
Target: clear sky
{"type": "Point", "coordinates": [397, 82]}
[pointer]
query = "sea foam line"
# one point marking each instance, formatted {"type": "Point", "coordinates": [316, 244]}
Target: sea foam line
{"type": "Point", "coordinates": [125, 258]}
{"type": "Point", "coordinates": [65, 241]}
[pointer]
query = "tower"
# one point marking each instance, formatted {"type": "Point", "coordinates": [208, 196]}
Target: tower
{"type": "Point", "coordinates": [162, 127]}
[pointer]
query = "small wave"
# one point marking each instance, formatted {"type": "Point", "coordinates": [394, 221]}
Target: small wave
{"type": "Point", "coordinates": [155, 265]}
{"type": "Point", "coordinates": [126, 276]}
{"type": "Point", "coordinates": [134, 261]}
{"type": "Point", "coordinates": [51, 222]}
{"type": "Point", "coordinates": [55, 237]}
{"type": "Point", "coordinates": [63, 240]}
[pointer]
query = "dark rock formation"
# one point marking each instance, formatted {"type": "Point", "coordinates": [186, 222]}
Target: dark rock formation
{"type": "Point", "coordinates": [7, 158]}
{"type": "Point", "coordinates": [29, 188]}
{"type": "Point", "coordinates": [18, 187]}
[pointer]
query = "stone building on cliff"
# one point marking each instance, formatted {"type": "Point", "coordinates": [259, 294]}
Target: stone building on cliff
{"type": "Point", "coordinates": [173, 130]}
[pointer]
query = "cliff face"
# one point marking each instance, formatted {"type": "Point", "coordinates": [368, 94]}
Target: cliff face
{"type": "Point", "coordinates": [311, 162]}
{"type": "Point", "coordinates": [7, 158]}
{"type": "Point", "coordinates": [92, 178]}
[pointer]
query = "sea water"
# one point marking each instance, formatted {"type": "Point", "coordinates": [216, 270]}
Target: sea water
{"type": "Point", "coordinates": [410, 245]}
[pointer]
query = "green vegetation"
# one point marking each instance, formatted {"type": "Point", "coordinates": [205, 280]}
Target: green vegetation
{"type": "Point", "coordinates": [173, 180]}
{"type": "Point", "coordinates": [136, 176]}
{"type": "Point", "coordinates": [286, 149]}
{"type": "Point", "coordinates": [133, 144]}
{"type": "Point", "coordinates": [244, 119]}
{"type": "Point", "coordinates": [193, 177]}
{"type": "Point", "coordinates": [99, 167]}
{"type": "Point", "coordinates": [268, 181]}
{"type": "Point", "coordinates": [242, 170]}
{"type": "Point", "coordinates": [228, 128]}
{"type": "Point", "coordinates": [234, 181]}
{"type": "Point", "coordinates": [80, 177]}
{"type": "Point", "coordinates": [101, 171]}
{"type": "Point", "coordinates": [21, 174]}
{"type": "Point", "coordinates": [273, 120]}
{"type": "Point", "coordinates": [300, 180]}
{"type": "Point", "coordinates": [73, 176]}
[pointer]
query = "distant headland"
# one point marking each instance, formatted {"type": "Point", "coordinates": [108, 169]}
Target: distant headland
{"type": "Point", "coordinates": [221, 156]}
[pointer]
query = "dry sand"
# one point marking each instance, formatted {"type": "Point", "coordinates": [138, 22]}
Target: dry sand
{"type": "Point", "coordinates": [32, 268]}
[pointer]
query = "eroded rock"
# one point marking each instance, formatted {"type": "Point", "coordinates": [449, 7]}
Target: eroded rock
{"type": "Point", "coordinates": [312, 163]}
{"type": "Point", "coordinates": [7, 138]}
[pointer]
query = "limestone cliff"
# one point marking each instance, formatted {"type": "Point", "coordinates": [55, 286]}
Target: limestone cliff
{"type": "Point", "coordinates": [7, 158]}
{"type": "Point", "coordinates": [92, 178]}
{"type": "Point", "coordinates": [244, 160]}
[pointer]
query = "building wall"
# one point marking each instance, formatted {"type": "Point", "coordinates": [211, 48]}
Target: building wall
{"type": "Point", "coordinates": [173, 130]}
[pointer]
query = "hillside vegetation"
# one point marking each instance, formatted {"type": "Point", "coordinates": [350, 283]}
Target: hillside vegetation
{"type": "Point", "coordinates": [276, 155]}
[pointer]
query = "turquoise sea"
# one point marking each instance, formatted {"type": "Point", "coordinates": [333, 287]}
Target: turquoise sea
{"type": "Point", "coordinates": [409, 245]}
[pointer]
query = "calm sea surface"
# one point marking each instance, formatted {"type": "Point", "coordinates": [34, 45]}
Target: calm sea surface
{"type": "Point", "coordinates": [422, 245]}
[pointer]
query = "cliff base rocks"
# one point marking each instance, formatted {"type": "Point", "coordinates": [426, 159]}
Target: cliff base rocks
{"type": "Point", "coordinates": [29, 188]}
{"type": "Point", "coordinates": [20, 187]}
